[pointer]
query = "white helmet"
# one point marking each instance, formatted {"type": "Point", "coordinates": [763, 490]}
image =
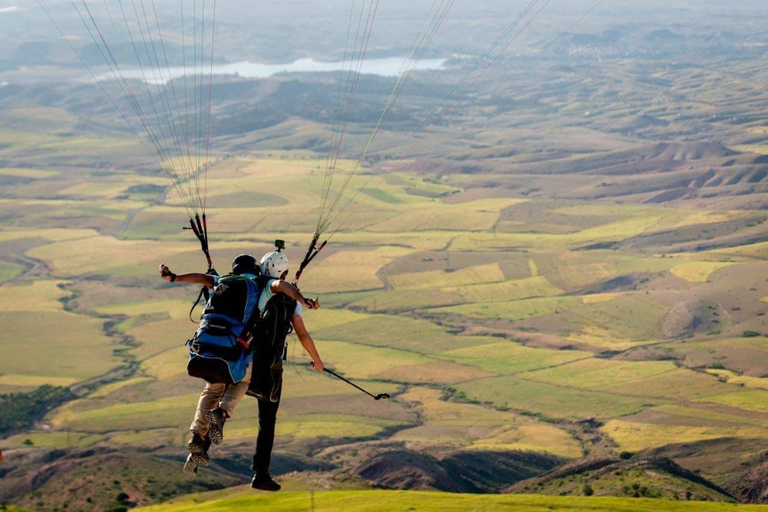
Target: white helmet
{"type": "Point", "coordinates": [274, 264]}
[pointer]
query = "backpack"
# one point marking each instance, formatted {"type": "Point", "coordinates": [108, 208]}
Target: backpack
{"type": "Point", "coordinates": [268, 346]}
{"type": "Point", "coordinates": [220, 352]}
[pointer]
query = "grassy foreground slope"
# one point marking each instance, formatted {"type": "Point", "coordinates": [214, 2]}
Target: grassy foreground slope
{"type": "Point", "coordinates": [375, 500]}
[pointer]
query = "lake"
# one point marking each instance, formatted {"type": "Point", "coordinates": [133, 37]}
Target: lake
{"type": "Point", "coordinates": [390, 66]}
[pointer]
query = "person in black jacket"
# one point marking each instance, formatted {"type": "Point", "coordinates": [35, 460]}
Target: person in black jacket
{"type": "Point", "coordinates": [280, 314]}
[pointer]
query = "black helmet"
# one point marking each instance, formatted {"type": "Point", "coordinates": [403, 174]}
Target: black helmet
{"type": "Point", "coordinates": [245, 264]}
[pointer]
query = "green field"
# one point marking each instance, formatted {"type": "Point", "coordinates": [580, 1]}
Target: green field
{"type": "Point", "coordinates": [549, 400]}
{"type": "Point", "coordinates": [598, 374]}
{"type": "Point", "coordinates": [440, 278]}
{"type": "Point", "coordinates": [629, 318]}
{"type": "Point", "coordinates": [352, 270]}
{"type": "Point", "coordinates": [476, 216]}
{"type": "Point", "coordinates": [477, 428]}
{"type": "Point", "coordinates": [515, 309]}
{"type": "Point", "coordinates": [415, 500]}
{"type": "Point", "coordinates": [697, 272]}
{"type": "Point", "coordinates": [403, 333]}
{"type": "Point", "coordinates": [51, 345]}
{"type": "Point", "coordinates": [750, 400]}
{"type": "Point", "coordinates": [508, 358]}
{"type": "Point", "coordinates": [10, 271]}
{"type": "Point", "coordinates": [638, 436]}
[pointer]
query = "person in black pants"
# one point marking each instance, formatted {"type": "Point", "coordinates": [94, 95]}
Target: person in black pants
{"type": "Point", "coordinates": [280, 314]}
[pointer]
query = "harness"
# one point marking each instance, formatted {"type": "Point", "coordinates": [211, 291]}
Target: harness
{"type": "Point", "coordinates": [220, 350]}
{"type": "Point", "coordinates": [268, 346]}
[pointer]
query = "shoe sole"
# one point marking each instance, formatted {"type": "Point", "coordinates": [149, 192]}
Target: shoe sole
{"type": "Point", "coordinates": [267, 489]}
{"type": "Point", "coordinates": [263, 486]}
{"type": "Point", "coordinates": [214, 432]}
{"type": "Point", "coordinates": [190, 468]}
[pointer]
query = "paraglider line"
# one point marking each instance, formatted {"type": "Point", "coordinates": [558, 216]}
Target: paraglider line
{"type": "Point", "coordinates": [208, 129]}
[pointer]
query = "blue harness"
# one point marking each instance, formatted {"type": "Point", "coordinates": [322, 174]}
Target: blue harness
{"type": "Point", "coordinates": [220, 350]}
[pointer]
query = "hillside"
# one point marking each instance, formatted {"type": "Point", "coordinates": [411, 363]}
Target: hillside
{"type": "Point", "coordinates": [652, 478]}
{"type": "Point", "coordinates": [39, 480]}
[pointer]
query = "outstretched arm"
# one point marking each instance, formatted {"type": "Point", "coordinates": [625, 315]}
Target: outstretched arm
{"type": "Point", "coordinates": [288, 289]}
{"type": "Point", "coordinates": [191, 278]}
{"type": "Point", "coordinates": [307, 342]}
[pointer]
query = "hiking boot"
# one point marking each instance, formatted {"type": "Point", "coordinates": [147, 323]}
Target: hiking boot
{"type": "Point", "coordinates": [216, 421]}
{"type": "Point", "coordinates": [190, 468]}
{"type": "Point", "coordinates": [198, 449]}
{"type": "Point", "coordinates": [264, 483]}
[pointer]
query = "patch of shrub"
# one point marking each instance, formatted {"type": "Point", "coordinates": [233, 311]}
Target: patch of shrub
{"type": "Point", "coordinates": [22, 410]}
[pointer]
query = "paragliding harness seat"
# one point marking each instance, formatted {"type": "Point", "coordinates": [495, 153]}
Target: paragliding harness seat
{"type": "Point", "coordinates": [268, 346]}
{"type": "Point", "coordinates": [220, 350]}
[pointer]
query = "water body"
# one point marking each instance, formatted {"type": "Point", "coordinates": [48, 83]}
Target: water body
{"type": "Point", "coordinates": [391, 66]}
